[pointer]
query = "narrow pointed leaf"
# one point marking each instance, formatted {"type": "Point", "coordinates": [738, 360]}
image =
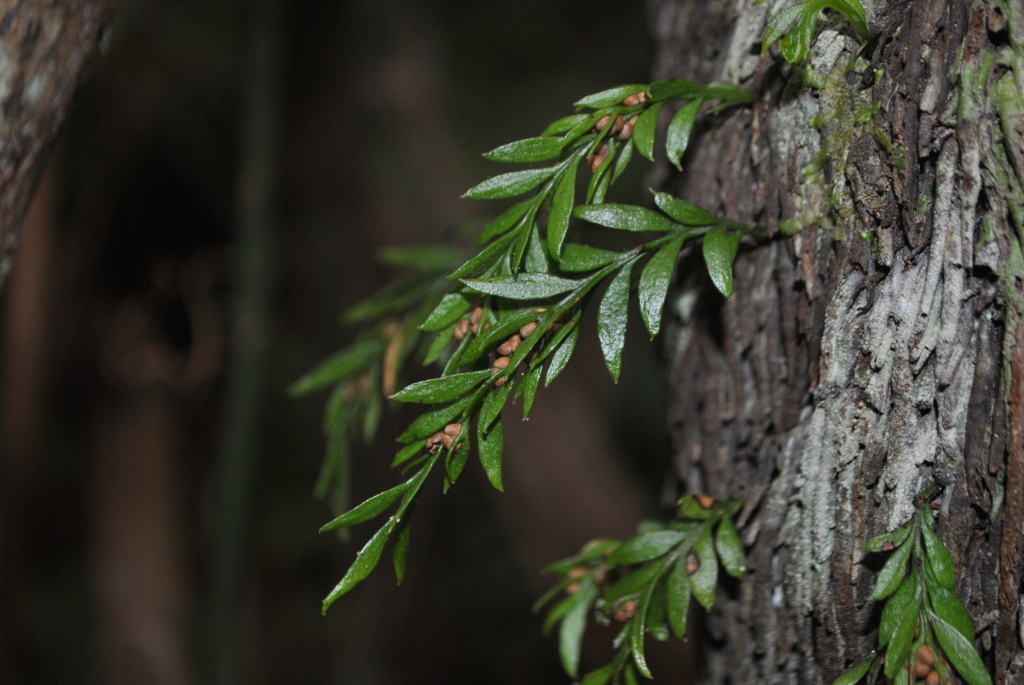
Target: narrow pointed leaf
{"type": "Point", "coordinates": [779, 25]}
{"type": "Point", "coordinates": [636, 637]}
{"type": "Point", "coordinates": [902, 640]}
{"type": "Point", "coordinates": [896, 607]}
{"type": "Point", "coordinates": [431, 422]}
{"type": "Point", "coordinates": [645, 129]}
{"type": "Point", "coordinates": [449, 310]}
{"type": "Point", "coordinates": [372, 507]}
{"type": "Point", "coordinates": [610, 97]}
{"type": "Point", "coordinates": [523, 286]}
{"type": "Point", "coordinates": [365, 562]}
{"type": "Point", "coordinates": [407, 453]}
{"type": "Point", "coordinates": [674, 88]}
{"type": "Point", "coordinates": [950, 609]}
{"type": "Point", "coordinates": [624, 217]}
{"type": "Point", "coordinates": [577, 258]}
{"type": "Point", "coordinates": [646, 547]}
{"type": "Point", "coordinates": [570, 633]}
{"type": "Point", "coordinates": [678, 597]}
{"type": "Point", "coordinates": [730, 548]}
{"type": "Point", "coordinates": [528, 387]}
{"type": "Point", "coordinates": [625, 155]}
{"type": "Point", "coordinates": [439, 345]}
{"type": "Point", "coordinates": [336, 367]}
{"type": "Point", "coordinates": [719, 254]}
{"type": "Point", "coordinates": [632, 583]}
{"type": "Point", "coordinates": [797, 45]}
{"type": "Point", "coordinates": [654, 282]}
{"type": "Point", "coordinates": [677, 138]}
{"type": "Point", "coordinates": [939, 561]}
{"type": "Point", "coordinates": [685, 212]}
{"type": "Point", "coordinates": [705, 578]}
{"type": "Point", "coordinates": [896, 538]}
{"type": "Point", "coordinates": [854, 674]}
{"type": "Point", "coordinates": [561, 356]}
{"type": "Point", "coordinates": [400, 550]}
{"type": "Point", "coordinates": [961, 653]}
{"type": "Point", "coordinates": [486, 257]}
{"type": "Point", "coordinates": [599, 677]}
{"type": "Point", "coordinates": [438, 390]}
{"type": "Point", "coordinates": [510, 184]}
{"type": "Point", "coordinates": [528, 150]}
{"type": "Point", "coordinates": [893, 573]}
{"type": "Point", "coordinates": [422, 257]}
{"type": "Point", "coordinates": [612, 319]}
{"type": "Point", "coordinates": [492, 406]}
{"type": "Point", "coordinates": [561, 209]}
{"type": "Point", "coordinates": [564, 124]}
{"type": "Point", "coordinates": [491, 445]}
{"type": "Point", "coordinates": [506, 220]}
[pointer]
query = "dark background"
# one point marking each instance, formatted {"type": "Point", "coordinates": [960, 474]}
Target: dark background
{"type": "Point", "coordinates": [116, 355]}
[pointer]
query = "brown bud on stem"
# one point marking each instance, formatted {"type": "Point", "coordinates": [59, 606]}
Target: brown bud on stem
{"type": "Point", "coordinates": [501, 363]}
{"type": "Point", "coordinates": [526, 330]}
{"type": "Point", "coordinates": [704, 501]}
{"type": "Point", "coordinates": [620, 121]}
{"type": "Point", "coordinates": [434, 440]}
{"type": "Point", "coordinates": [692, 563]}
{"type": "Point", "coordinates": [453, 429]}
{"type": "Point", "coordinates": [476, 317]}
{"type": "Point", "coordinates": [501, 381]}
{"type": "Point", "coordinates": [602, 122]}
{"type": "Point", "coordinates": [635, 99]}
{"type": "Point", "coordinates": [933, 678]}
{"type": "Point", "coordinates": [577, 573]}
{"type": "Point", "coordinates": [926, 656]}
{"type": "Point", "coordinates": [626, 611]}
{"type": "Point", "coordinates": [462, 328]}
{"type": "Point", "coordinates": [510, 345]}
{"type": "Point", "coordinates": [627, 131]}
{"type": "Point", "coordinates": [597, 159]}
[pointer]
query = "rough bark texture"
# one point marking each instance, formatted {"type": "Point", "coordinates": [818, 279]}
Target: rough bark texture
{"type": "Point", "coordinates": [45, 46]}
{"type": "Point", "coordinates": [879, 349]}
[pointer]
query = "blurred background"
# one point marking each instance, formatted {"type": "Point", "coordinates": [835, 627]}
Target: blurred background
{"type": "Point", "coordinates": [228, 173]}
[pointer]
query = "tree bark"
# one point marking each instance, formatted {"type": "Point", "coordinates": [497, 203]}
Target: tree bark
{"type": "Point", "coordinates": [45, 46]}
{"type": "Point", "coordinates": [875, 351]}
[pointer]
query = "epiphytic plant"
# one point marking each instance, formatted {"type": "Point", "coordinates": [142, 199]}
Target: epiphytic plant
{"type": "Point", "coordinates": [797, 25]}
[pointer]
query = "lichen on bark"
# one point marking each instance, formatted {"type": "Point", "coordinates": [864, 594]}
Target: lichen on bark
{"type": "Point", "coordinates": [847, 373]}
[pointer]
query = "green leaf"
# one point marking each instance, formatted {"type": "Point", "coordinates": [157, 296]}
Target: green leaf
{"type": "Point", "coordinates": [630, 674]}
{"type": "Point", "coordinates": [561, 356]}
{"type": "Point", "coordinates": [654, 282]}
{"type": "Point", "coordinates": [727, 92]}
{"type": "Point", "coordinates": [486, 257]}
{"type": "Point", "coordinates": [730, 548]}
{"type": "Point", "coordinates": [601, 176]}
{"type": "Point", "coordinates": [599, 677]}
{"type": "Point", "coordinates": [528, 150]}
{"type": "Point", "coordinates": [490, 445]}
{"type": "Point", "coordinates": [939, 561]}
{"type": "Point", "coordinates": [537, 253]}
{"type": "Point", "coordinates": [610, 97]}
{"type": "Point", "coordinates": [612, 318]}
{"type": "Point", "coordinates": [438, 390]}
{"type": "Point", "coordinates": [423, 257]}
{"type": "Point", "coordinates": [949, 608]}
{"type": "Point", "coordinates": [407, 453]}
{"type": "Point", "coordinates": [896, 607]}
{"type": "Point", "coordinates": [674, 88]}
{"type": "Point", "coordinates": [797, 44]}
{"type": "Point", "coordinates": [506, 220]}
{"type": "Point", "coordinates": [677, 138]}
{"type": "Point", "coordinates": [456, 459]}
{"type": "Point", "coordinates": [561, 209]}
{"type": "Point", "coordinates": [877, 543]}
{"type": "Point", "coordinates": [523, 286]}
{"type": "Point", "coordinates": [719, 254]}
{"type": "Point", "coordinates": [779, 25]}
{"type": "Point", "coordinates": [400, 550]}
{"type": "Point", "coordinates": [632, 583]}
{"type": "Point", "coordinates": [578, 258]}
{"type": "Point", "coordinates": [678, 596]}
{"type": "Point", "coordinates": [624, 217]}
{"type": "Point", "coordinates": [961, 653]}
{"type": "Point", "coordinates": [564, 124]}
{"type": "Point", "coordinates": [448, 311]}
{"type": "Point", "coordinates": [645, 129]}
{"type": "Point", "coordinates": [690, 508]}
{"type": "Point", "coordinates": [656, 616]}
{"type": "Point", "coordinates": [636, 637]}
{"type": "Point", "coordinates": [685, 212]}
{"type": "Point", "coordinates": [368, 509]}
{"type": "Point", "coordinates": [366, 561]}
{"type": "Point", "coordinates": [705, 578]}
{"type": "Point", "coordinates": [492, 406]}
{"type": "Point", "coordinates": [570, 633]}
{"type": "Point", "coordinates": [431, 422]}
{"type": "Point", "coordinates": [893, 573]}
{"type": "Point", "coordinates": [528, 388]}
{"type": "Point", "coordinates": [854, 12]}
{"type": "Point", "coordinates": [510, 184]}
{"type": "Point", "coordinates": [854, 675]}
{"type": "Point", "coordinates": [336, 367]}
{"type": "Point", "coordinates": [439, 345]}
{"type": "Point", "coordinates": [902, 640]}
{"type": "Point", "coordinates": [646, 547]}
{"type": "Point", "coordinates": [622, 161]}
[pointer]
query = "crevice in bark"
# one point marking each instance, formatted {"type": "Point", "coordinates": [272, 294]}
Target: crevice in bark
{"type": "Point", "coordinates": [875, 351]}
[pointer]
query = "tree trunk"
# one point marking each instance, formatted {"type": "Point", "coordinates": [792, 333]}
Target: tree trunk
{"type": "Point", "coordinates": [45, 46]}
{"type": "Point", "coordinates": [877, 350]}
